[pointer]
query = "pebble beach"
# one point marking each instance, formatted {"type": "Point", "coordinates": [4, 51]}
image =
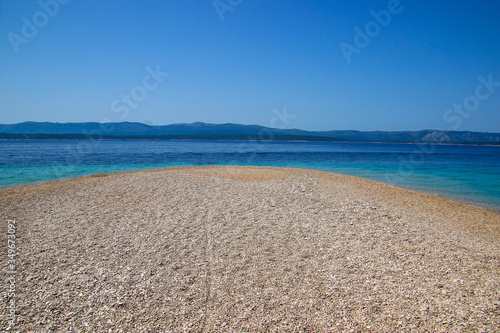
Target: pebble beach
{"type": "Point", "coordinates": [248, 249]}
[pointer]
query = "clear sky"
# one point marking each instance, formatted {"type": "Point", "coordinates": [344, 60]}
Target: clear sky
{"type": "Point", "coordinates": [364, 65]}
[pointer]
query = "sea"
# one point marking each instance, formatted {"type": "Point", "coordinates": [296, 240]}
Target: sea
{"type": "Point", "coordinates": [468, 173]}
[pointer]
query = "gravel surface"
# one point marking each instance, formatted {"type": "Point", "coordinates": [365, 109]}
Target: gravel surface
{"type": "Point", "coordinates": [247, 249]}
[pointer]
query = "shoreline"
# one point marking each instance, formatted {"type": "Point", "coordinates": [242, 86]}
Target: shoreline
{"type": "Point", "coordinates": [476, 203]}
{"type": "Point", "coordinates": [495, 208]}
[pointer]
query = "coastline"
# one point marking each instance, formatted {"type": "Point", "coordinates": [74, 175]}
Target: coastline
{"type": "Point", "coordinates": [477, 203]}
{"type": "Point", "coordinates": [235, 248]}
{"type": "Point", "coordinates": [469, 201]}
{"type": "Point", "coordinates": [278, 139]}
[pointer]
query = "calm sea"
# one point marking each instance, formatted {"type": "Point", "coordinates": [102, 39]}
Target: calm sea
{"type": "Point", "coordinates": [467, 172]}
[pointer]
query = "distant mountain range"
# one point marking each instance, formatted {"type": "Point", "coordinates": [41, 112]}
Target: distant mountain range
{"type": "Point", "coordinates": [201, 131]}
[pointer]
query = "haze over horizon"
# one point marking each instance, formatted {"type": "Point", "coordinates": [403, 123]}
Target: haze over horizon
{"type": "Point", "coordinates": [363, 65]}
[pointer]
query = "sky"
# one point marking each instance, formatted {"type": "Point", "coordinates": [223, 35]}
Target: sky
{"type": "Point", "coordinates": [313, 65]}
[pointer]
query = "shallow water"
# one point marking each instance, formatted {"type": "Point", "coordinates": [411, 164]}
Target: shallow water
{"type": "Point", "coordinates": [463, 171]}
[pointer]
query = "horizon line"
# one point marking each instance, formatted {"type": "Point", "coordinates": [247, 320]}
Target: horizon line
{"type": "Point", "coordinates": [239, 124]}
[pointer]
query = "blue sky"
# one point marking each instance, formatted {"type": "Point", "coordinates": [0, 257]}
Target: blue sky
{"type": "Point", "coordinates": [238, 60]}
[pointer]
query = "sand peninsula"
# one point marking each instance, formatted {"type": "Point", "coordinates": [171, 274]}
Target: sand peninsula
{"type": "Point", "coordinates": [248, 249]}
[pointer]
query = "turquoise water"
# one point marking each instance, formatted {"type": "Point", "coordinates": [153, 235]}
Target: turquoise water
{"type": "Point", "coordinates": [468, 172]}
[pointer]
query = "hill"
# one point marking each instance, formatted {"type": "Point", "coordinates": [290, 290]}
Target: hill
{"type": "Point", "coordinates": [201, 131]}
